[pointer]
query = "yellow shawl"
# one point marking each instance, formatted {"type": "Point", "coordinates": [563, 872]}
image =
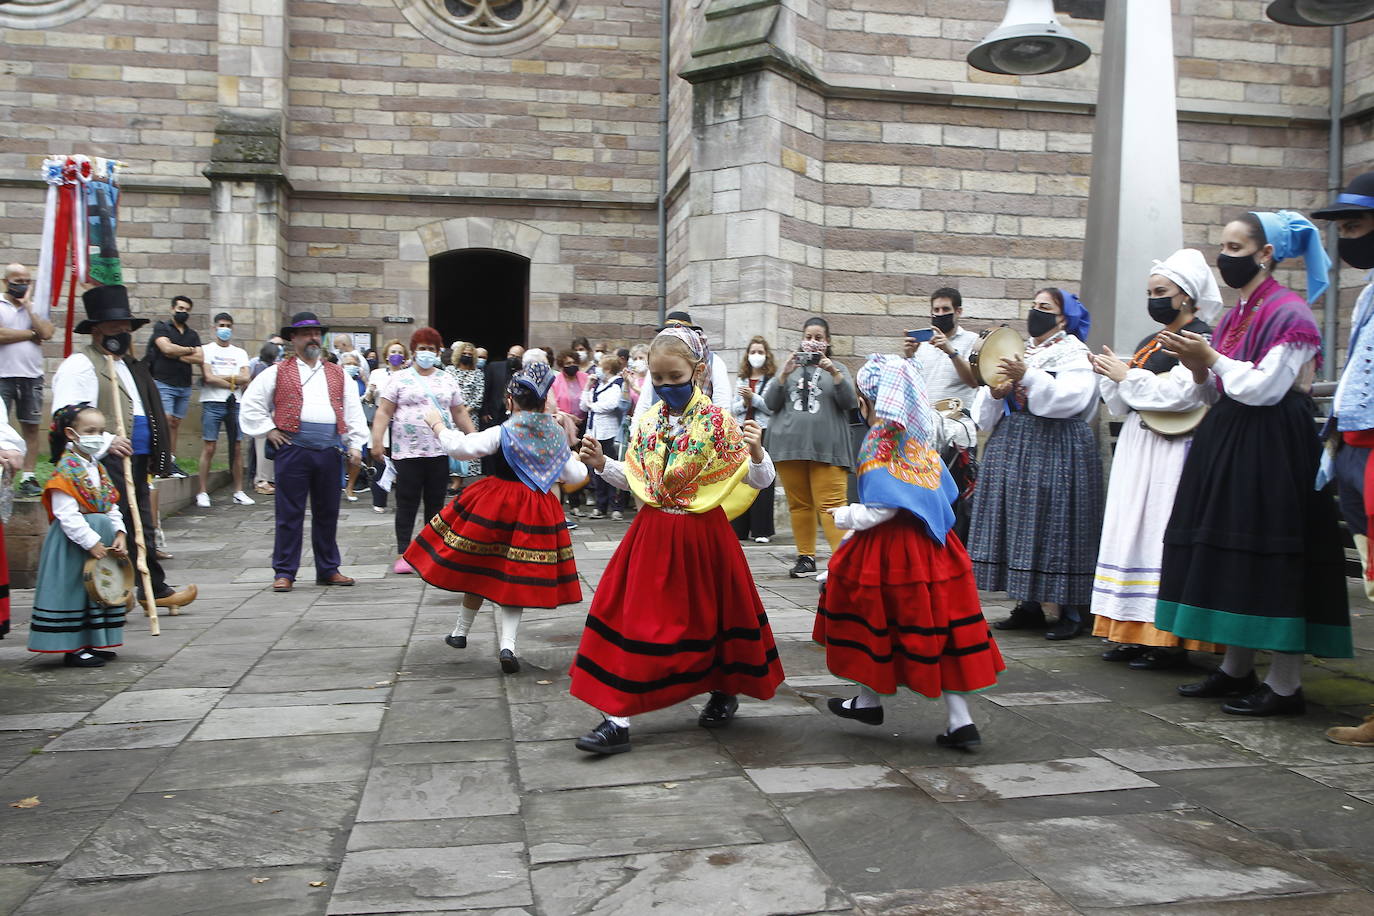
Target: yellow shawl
{"type": "Point", "coordinates": [695, 470]}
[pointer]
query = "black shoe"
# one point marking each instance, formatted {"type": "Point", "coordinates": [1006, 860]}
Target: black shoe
{"type": "Point", "coordinates": [1064, 628]}
{"type": "Point", "coordinates": [1161, 660]}
{"type": "Point", "coordinates": [28, 489]}
{"type": "Point", "coordinates": [1025, 616]}
{"type": "Point", "coordinates": [103, 653]}
{"type": "Point", "coordinates": [572, 525]}
{"type": "Point", "coordinates": [805, 566]}
{"type": "Point", "coordinates": [720, 709]}
{"type": "Point", "coordinates": [1220, 684]}
{"type": "Point", "coordinates": [606, 738]}
{"type": "Point", "coordinates": [83, 659]}
{"type": "Point", "coordinates": [509, 663]}
{"type": "Point", "coordinates": [868, 715]}
{"type": "Point", "coordinates": [457, 642]}
{"type": "Point", "coordinates": [1265, 702]}
{"type": "Point", "coordinates": [962, 738]}
{"type": "Point", "coordinates": [1124, 653]}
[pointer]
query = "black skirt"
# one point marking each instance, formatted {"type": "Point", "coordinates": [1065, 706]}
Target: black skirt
{"type": "Point", "coordinates": [1252, 553]}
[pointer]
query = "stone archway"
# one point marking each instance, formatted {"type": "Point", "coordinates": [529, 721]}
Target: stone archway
{"type": "Point", "coordinates": [409, 273]}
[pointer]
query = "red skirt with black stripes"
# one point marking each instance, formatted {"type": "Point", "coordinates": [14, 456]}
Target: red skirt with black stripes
{"type": "Point", "coordinates": [676, 614]}
{"type": "Point", "coordinates": [900, 609]}
{"type": "Point", "coordinates": [503, 541]}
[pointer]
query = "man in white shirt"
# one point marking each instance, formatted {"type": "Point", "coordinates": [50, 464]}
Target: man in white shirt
{"type": "Point", "coordinates": [22, 332]}
{"type": "Point", "coordinates": [84, 378]}
{"type": "Point", "coordinates": [944, 359]}
{"type": "Point", "coordinates": [722, 395]}
{"type": "Point", "coordinates": [224, 376]}
{"type": "Point", "coordinates": [310, 418]}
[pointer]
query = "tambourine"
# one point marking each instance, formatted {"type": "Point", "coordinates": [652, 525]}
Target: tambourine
{"type": "Point", "coordinates": [109, 580]}
{"type": "Point", "coordinates": [993, 346]}
{"type": "Point", "coordinates": [1172, 423]}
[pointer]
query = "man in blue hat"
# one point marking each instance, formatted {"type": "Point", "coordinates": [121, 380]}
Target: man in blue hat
{"type": "Point", "coordinates": [311, 418]}
{"type": "Point", "coordinates": [84, 377]}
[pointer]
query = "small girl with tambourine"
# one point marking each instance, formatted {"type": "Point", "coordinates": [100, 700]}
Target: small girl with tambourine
{"type": "Point", "coordinates": [81, 502]}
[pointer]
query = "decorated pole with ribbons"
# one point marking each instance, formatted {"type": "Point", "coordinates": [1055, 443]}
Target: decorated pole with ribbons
{"type": "Point", "coordinates": [80, 213]}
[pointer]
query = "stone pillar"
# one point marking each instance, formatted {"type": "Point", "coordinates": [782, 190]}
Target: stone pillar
{"type": "Point", "coordinates": [249, 192]}
{"type": "Point", "coordinates": [754, 252]}
{"type": "Point", "coordinates": [1135, 212]}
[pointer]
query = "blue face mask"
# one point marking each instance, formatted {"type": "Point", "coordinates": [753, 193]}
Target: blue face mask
{"type": "Point", "coordinates": [426, 360]}
{"type": "Point", "coordinates": [481, 362]}
{"type": "Point", "coordinates": [675, 396]}
{"type": "Point", "coordinates": [224, 333]}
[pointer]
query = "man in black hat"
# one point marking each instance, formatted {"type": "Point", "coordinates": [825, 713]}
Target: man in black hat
{"type": "Point", "coordinates": [311, 417]}
{"type": "Point", "coordinates": [84, 377]}
{"type": "Point", "coordinates": [722, 395]}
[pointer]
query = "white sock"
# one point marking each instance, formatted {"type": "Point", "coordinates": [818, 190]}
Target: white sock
{"type": "Point", "coordinates": [622, 721]}
{"type": "Point", "coordinates": [1285, 673]}
{"type": "Point", "coordinates": [956, 712]}
{"type": "Point", "coordinates": [1238, 662]}
{"type": "Point", "coordinates": [466, 616]}
{"type": "Point", "coordinates": [866, 699]}
{"type": "Point", "coordinates": [510, 625]}
{"type": "Point", "coordinates": [26, 476]}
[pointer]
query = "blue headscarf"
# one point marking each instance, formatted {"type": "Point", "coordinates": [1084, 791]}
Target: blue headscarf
{"type": "Point", "coordinates": [1293, 235]}
{"type": "Point", "coordinates": [1077, 321]}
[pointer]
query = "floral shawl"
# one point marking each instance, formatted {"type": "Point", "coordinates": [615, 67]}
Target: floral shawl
{"type": "Point", "coordinates": [536, 447]}
{"type": "Point", "coordinates": [1275, 315]}
{"type": "Point", "coordinates": [694, 470]}
{"type": "Point", "coordinates": [69, 476]}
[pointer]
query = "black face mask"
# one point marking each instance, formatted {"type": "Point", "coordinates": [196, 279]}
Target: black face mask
{"type": "Point", "coordinates": [570, 371]}
{"type": "Point", "coordinates": [943, 323]}
{"type": "Point", "coordinates": [118, 344]}
{"type": "Point", "coordinates": [1237, 270]}
{"type": "Point", "coordinates": [1358, 252]}
{"type": "Point", "coordinates": [181, 317]}
{"type": "Point", "coordinates": [1040, 323]}
{"type": "Point", "coordinates": [17, 289]}
{"type": "Point", "coordinates": [1163, 310]}
{"type": "Point", "coordinates": [513, 363]}
{"type": "Point", "coordinates": [465, 360]}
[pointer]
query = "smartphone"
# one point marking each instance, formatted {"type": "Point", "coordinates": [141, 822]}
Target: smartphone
{"type": "Point", "coordinates": [807, 359]}
{"type": "Point", "coordinates": [921, 335]}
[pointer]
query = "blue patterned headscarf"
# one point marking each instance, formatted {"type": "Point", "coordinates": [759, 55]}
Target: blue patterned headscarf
{"type": "Point", "coordinates": [898, 466]}
{"type": "Point", "coordinates": [536, 377]}
{"type": "Point", "coordinates": [1077, 321]}
{"type": "Point", "coordinates": [1293, 236]}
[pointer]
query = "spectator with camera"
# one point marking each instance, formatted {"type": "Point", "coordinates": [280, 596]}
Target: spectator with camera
{"type": "Point", "coordinates": [809, 439]}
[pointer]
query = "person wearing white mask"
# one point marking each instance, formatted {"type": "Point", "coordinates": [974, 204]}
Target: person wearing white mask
{"type": "Point", "coordinates": [420, 459]}
{"type": "Point", "coordinates": [756, 373]}
{"type": "Point", "coordinates": [224, 376]}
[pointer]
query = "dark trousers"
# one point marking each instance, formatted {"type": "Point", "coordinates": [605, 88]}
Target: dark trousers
{"type": "Point", "coordinates": [418, 479]}
{"type": "Point", "coordinates": [379, 464]}
{"type": "Point", "coordinates": [757, 520]}
{"type": "Point", "coordinates": [608, 498]}
{"type": "Point", "coordinates": [115, 468]}
{"type": "Point", "coordinates": [307, 473]}
{"type": "Point", "coordinates": [1349, 473]}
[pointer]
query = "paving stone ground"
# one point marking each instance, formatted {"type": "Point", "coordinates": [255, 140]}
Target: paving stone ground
{"type": "Point", "coordinates": [324, 752]}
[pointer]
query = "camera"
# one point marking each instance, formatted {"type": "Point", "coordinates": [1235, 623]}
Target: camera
{"type": "Point", "coordinates": [807, 359]}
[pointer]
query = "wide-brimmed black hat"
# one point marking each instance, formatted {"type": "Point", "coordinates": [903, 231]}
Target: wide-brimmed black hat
{"type": "Point", "coordinates": [673, 318]}
{"type": "Point", "coordinates": [303, 321]}
{"type": "Point", "coordinates": [1357, 198]}
{"type": "Point", "coordinates": [107, 303]}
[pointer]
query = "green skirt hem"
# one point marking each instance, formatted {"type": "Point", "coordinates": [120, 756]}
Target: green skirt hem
{"type": "Point", "coordinates": [1275, 634]}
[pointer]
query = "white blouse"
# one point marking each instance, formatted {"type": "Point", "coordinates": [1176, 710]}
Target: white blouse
{"type": "Point", "coordinates": [1141, 389]}
{"type": "Point", "coordinates": [759, 475]}
{"type": "Point", "coordinates": [468, 446]}
{"type": "Point", "coordinates": [1263, 385]}
{"type": "Point", "coordinates": [1071, 392]}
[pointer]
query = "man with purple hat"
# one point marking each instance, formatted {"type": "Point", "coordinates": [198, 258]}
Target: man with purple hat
{"type": "Point", "coordinates": [311, 418]}
{"type": "Point", "coordinates": [84, 378]}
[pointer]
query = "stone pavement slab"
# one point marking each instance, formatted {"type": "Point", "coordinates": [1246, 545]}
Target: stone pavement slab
{"type": "Point", "coordinates": [432, 879]}
{"type": "Point", "coordinates": [123, 736]}
{"type": "Point", "coordinates": [284, 721]}
{"type": "Point", "coordinates": [417, 791]}
{"type": "Point", "coordinates": [270, 891]}
{"type": "Point", "coordinates": [307, 760]}
{"type": "Point", "coordinates": [159, 704]}
{"type": "Point", "coordinates": [1053, 777]}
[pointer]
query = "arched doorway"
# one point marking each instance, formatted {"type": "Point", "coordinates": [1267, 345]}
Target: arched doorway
{"type": "Point", "coordinates": [481, 295]}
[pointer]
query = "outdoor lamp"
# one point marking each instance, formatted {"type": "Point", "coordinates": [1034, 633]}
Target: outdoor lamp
{"type": "Point", "coordinates": [1030, 41]}
{"type": "Point", "coordinates": [1320, 12]}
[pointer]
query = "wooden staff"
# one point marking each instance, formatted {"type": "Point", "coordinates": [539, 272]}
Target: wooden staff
{"type": "Point", "coordinates": [145, 577]}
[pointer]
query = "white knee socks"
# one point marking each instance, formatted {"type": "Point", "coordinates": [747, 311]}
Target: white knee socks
{"type": "Point", "coordinates": [622, 721]}
{"type": "Point", "coordinates": [866, 699]}
{"type": "Point", "coordinates": [1285, 673]}
{"type": "Point", "coordinates": [466, 615]}
{"type": "Point", "coordinates": [1238, 662]}
{"type": "Point", "coordinates": [510, 625]}
{"type": "Point", "coordinates": [956, 709]}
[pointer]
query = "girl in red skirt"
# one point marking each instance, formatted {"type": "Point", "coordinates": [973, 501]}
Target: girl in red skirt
{"type": "Point", "coordinates": [676, 613]}
{"type": "Point", "coordinates": [504, 538]}
{"type": "Point", "coordinates": [899, 606]}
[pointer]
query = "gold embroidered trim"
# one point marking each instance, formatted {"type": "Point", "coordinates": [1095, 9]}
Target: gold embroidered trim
{"type": "Point", "coordinates": [457, 542]}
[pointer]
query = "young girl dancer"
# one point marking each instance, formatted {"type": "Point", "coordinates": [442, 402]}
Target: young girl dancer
{"type": "Point", "coordinates": [85, 522]}
{"type": "Point", "coordinates": [676, 613]}
{"type": "Point", "coordinates": [503, 538]}
{"type": "Point", "coordinates": [899, 606]}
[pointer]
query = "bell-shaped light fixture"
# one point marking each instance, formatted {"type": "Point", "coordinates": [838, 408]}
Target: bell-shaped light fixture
{"type": "Point", "coordinates": [1030, 41]}
{"type": "Point", "coordinates": [1320, 12]}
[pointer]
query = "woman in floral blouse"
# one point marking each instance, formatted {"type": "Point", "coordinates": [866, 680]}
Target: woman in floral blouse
{"type": "Point", "coordinates": [472, 385]}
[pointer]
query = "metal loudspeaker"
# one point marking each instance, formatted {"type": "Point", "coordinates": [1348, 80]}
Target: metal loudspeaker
{"type": "Point", "coordinates": [1320, 12]}
{"type": "Point", "coordinates": [1030, 41]}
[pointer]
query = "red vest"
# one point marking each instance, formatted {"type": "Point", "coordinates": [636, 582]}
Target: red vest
{"type": "Point", "coordinates": [286, 408]}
